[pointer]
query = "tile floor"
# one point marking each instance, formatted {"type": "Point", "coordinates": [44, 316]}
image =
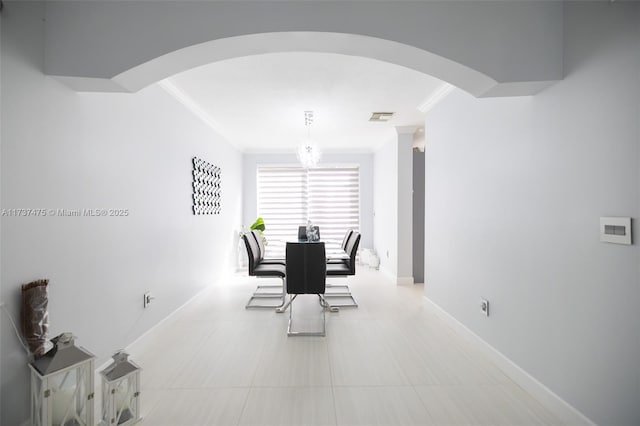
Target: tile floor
{"type": "Point", "coordinates": [391, 361]}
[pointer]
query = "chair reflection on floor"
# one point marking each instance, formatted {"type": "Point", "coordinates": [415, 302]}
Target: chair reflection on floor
{"type": "Point", "coordinates": [306, 274]}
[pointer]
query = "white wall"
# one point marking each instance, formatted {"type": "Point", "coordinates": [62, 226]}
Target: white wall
{"type": "Point", "coordinates": [364, 160]}
{"type": "Point", "coordinates": [514, 192]}
{"type": "Point", "coordinates": [385, 202]}
{"type": "Point", "coordinates": [61, 149]}
{"type": "Point", "coordinates": [393, 206]}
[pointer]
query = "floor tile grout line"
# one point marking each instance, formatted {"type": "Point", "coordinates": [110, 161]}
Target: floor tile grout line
{"type": "Point", "coordinates": [250, 389]}
{"type": "Point", "coordinates": [333, 394]}
{"type": "Point", "coordinates": [422, 401]}
{"type": "Point", "coordinates": [244, 406]}
{"type": "Point", "coordinates": [532, 409]}
{"type": "Point", "coordinates": [394, 357]}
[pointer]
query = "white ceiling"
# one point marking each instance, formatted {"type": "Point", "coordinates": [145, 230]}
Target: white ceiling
{"type": "Point", "coordinates": [258, 102]}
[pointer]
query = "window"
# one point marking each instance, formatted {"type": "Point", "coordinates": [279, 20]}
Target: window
{"type": "Point", "coordinates": [289, 196]}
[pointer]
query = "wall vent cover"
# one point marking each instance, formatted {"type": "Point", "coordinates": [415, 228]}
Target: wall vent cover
{"type": "Point", "coordinates": [381, 116]}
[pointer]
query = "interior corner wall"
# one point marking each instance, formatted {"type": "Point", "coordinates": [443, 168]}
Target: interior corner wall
{"type": "Point", "coordinates": [3, 322]}
{"type": "Point", "coordinates": [65, 150]}
{"type": "Point", "coordinates": [404, 207]}
{"type": "Point", "coordinates": [385, 207]}
{"type": "Point", "coordinates": [418, 216]}
{"type": "Point", "coordinates": [364, 160]}
{"type": "Point", "coordinates": [635, 235]}
{"type": "Point", "coordinates": [515, 188]}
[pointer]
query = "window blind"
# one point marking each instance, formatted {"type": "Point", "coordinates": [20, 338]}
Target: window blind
{"type": "Point", "coordinates": [289, 196]}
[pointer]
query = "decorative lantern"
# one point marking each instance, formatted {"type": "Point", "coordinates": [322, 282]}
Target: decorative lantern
{"type": "Point", "coordinates": [120, 392]}
{"type": "Point", "coordinates": [62, 385]}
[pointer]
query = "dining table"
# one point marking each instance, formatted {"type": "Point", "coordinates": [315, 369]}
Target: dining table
{"type": "Point", "coordinates": [333, 250]}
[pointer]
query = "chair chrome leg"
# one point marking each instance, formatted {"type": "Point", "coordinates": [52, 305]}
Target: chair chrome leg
{"type": "Point", "coordinates": [285, 304]}
{"type": "Point", "coordinates": [269, 286]}
{"type": "Point", "coordinates": [327, 305]}
{"type": "Point", "coordinates": [283, 307]}
{"type": "Point", "coordinates": [258, 295]}
{"type": "Point", "coordinates": [343, 294]}
{"type": "Point", "coordinates": [249, 305]}
{"type": "Point", "coordinates": [354, 304]}
{"type": "Point", "coordinates": [306, 333]}
{"type": "Point", "coordinates": [337, 285]}
{"type": "Point", "coordinates": [291, 299]}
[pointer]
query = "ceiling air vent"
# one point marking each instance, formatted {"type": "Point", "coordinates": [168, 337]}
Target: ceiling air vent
{"type": "Point", "coordinates": [381, 116]}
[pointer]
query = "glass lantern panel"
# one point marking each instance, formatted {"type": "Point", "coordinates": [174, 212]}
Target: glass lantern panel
{"type": "Point", "coordinates": [69, 396]}
{"type": "Point", "coordinates": [125, 400]}
{"type": "Point", "coordinates": [37, 400]}
{"type": "Point", "coordinates": [135, 389]}
{"type": "Point", "coordinates": [107, 407]}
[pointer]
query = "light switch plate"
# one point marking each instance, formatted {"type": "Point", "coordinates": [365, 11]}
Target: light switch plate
{"type": "Point", "coordinates": [484, 307]}
{"type": "Point", "coordinates": [615, 230]}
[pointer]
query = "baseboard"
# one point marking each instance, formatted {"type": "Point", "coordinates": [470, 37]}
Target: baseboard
{"type": "Point", "coordinates": [168, 317]}
{"type": "Point", "coordinates": [396, 279]}
{"type": "Point", "coordinates": [562, 409]}
{"type": "Point", "coordinates": [404, 281]}
{"type": "Point", "coordinates": [97, 378]}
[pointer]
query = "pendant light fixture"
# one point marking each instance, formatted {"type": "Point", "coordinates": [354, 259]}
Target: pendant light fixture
{"type": "Point", "coordinates": [308, 152]}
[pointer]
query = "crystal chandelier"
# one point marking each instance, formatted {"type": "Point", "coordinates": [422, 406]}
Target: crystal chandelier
{"type": "Point", "coordinates": [308, 152]}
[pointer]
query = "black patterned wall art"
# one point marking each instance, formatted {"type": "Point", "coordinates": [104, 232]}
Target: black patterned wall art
{"type": "Point", "coordinates": [207, 180]}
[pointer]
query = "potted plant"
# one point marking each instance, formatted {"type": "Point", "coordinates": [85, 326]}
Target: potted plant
{"type": "Point", "coordinates": [259, 225]}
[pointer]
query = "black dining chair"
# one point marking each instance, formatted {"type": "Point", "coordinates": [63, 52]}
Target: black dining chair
{"type": "Point", "coordinates": [262, 250]}
{"type": "Point", "coordinates": [344, 268]}
{"type": "Point", "coordinates": [306, 274]}
{"type": "Point", "coordinates": [347, 266]}
{"type": "Point", "coordinates": [258, 269]}
{"type": "Point", "coordinates": [345, 241]}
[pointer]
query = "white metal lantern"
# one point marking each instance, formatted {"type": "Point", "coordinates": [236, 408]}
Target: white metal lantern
{"type": "Point", "coordinates": [62, 385]}
{"type": "Point", "coordinates": [120, 392]}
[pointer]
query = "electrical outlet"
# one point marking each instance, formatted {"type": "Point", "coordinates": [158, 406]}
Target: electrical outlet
{"type": "Point", "coordinates": [147, 298]}
{"type": "Point", "coordinates": [484, 307]}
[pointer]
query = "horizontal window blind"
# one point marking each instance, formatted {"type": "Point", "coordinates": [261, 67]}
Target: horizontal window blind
{"type": "Point", "coordinates": [334, 200]}
{"type": "Point", "coordinates": [289, 196]}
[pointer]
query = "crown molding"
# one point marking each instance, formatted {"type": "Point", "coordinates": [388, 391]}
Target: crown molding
{"type": "Point", "coordinates": [436, 97]}
{"type": "Point", "coordinates": [193, 107]}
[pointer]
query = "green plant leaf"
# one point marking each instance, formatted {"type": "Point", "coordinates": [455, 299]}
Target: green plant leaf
{"type": "Point", "coordinates": [258, 224]}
